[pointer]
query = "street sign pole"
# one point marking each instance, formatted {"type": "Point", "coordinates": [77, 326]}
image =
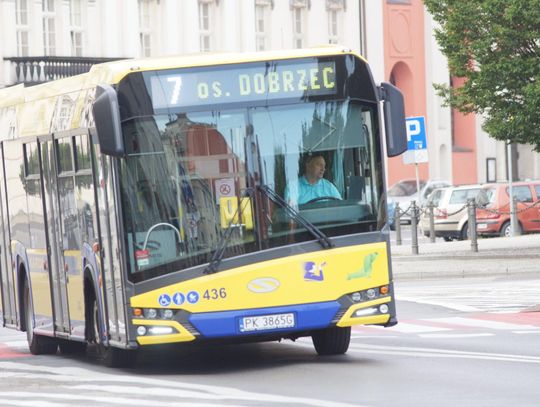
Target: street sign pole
{"type": "Point", "coordinates": [417, 172]}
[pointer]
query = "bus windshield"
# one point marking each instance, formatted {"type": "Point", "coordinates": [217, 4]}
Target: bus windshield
{"type": "Point", "coordinates": [192, 177]}
{"type": "Point", "coordinates": [187, 179]}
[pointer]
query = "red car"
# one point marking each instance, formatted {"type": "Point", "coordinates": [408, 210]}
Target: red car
{"type": "Point", "coordinates": [493, 213]}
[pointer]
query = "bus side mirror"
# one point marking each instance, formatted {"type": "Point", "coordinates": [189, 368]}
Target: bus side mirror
{"type": "Point", "coordinates": [107, 119]}
{"type": "Point", "coordinates": [394, 119]}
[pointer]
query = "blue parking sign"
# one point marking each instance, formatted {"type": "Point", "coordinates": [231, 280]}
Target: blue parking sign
{"type": "Point", "coordinates": [416, 133]}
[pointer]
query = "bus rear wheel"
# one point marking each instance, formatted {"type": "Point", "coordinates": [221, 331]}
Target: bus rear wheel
{"type": "Point", "coordinates": [110, 356]}
{"type": "Point", "coordinates": [38, 344]}
{"type": "Point", "coordinates": [332, 341]}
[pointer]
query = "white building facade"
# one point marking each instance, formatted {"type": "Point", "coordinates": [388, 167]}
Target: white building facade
{"type": "Point", "coordinates": [44, 39]}
{"type": "Point", "coordinates": [148, 28]}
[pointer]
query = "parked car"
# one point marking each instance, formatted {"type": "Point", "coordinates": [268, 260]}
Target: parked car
{"type": "Point", "coordinates": [493, 215]}
{"type": "Point", "coordinates": [451, 219]}
{"type": "Point", "coordinates": [405, 191]}
{"type": "Point", "coordinates": [391, 211]}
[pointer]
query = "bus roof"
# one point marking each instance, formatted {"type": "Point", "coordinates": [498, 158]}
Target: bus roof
{"type": "Point", "coordinates": [113, 72]}
{"type": "Point", "coordinates": [62, 104]}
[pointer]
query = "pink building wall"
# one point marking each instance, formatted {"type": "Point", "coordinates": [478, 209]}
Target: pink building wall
{"type": "Point", "coordinates": [405, 66]}
{"type": "Point", "coordinates": [464, 170]}
{"type": "Point", "coordinates": [404, 63]}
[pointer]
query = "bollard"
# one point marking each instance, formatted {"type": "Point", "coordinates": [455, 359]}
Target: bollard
{"type": "Point", "coordinates": [414, 227]}
{"type": "Point", "coordinates": [431, 208]}
{"type": "Point", "coordinates": [471, 204]}
{"type": "Point", "coordinates": [397, 224]}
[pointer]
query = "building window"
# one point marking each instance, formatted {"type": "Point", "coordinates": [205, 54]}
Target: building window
{"type": "Point", "coordinates": [206, 11]}
{"type": "Point", "coordinates": [49, 31]}
{"type": "Point", "coordinates": [21, 21]}
{"type": "Point", "coordinates": [491, 170]}
{"type": "Point", "coordinates": [145, 30]}
{"type": "Point", "coordinates": [299, 14]}
{"type": "Point", "coordinates": [76, 32]}
{"type": "Point", "coordinates": [333, 35]}
{"type": "Point", "coordinates": [22, 42]}
{"type": "Point", "coordinates": [262, 23]}
{"type": "Point", "coordinates": [335, 9]}
{"type": "Point", "coordinates": [22, 12]}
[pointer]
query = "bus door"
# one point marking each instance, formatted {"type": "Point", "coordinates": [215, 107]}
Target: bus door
{"type": "Point", "coordinates": [57, 268]}
{"type": "Point", "coordinates": [7, 284]}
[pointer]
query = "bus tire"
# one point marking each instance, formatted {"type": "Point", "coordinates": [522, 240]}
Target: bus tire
{"type": "Point", "coordinates": [332, 341]}
{"type": "Point", "coordinates": [38, 344]}
{"type": "Point", "coordinates": [109, 356]}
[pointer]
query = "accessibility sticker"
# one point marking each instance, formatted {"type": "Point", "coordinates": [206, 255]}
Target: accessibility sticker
{"type": "Point", "coordinates": [164, 300]}
{"type": "Point", "coordinates": [192, 297]}
{"type": "Point", "coordinates": [178, 298]}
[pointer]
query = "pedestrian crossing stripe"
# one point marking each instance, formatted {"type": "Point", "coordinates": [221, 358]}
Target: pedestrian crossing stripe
{"type": "Point", "coordinates": [437, 325]}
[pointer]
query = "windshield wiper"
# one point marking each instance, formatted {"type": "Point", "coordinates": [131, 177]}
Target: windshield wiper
{"type": "Point", "coordinates": [323, 240]}
{"type": "Point", "coordinates": [224, 240]}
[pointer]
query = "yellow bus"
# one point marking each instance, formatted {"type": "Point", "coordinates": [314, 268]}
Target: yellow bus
{"type": "Point", "coordinates": [216, 197]}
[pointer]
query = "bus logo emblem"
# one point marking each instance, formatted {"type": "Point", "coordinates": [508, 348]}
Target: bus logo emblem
{"type": "Point", "coordinates": [263, 285]}
{"type": "Point", "coordinates": [313, 272]}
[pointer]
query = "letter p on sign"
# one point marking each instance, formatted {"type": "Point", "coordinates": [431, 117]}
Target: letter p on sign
{"type": "Point", "coordinates": [416, 133]}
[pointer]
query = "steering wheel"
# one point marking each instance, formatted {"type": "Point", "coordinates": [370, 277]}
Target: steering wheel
{"type": "Point", "coordinates": [147, 238]}
{"type": "Point", "coordinates": [150, 245]}
{"type": "Point", "coordinates": [323, 198]}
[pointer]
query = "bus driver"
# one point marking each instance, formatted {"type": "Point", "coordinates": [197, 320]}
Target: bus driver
{"type": "Point", "coordinates": [312, 185]}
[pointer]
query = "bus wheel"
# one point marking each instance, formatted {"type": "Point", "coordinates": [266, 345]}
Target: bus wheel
{"type": "Point", "coordinates": [332, 341]}
{"type": "Point", "coordinates": [38, 344]}
{"type": "Point", "coordinates": [71, 347]}
{"type": "Point", "coordinates": [110, 356]}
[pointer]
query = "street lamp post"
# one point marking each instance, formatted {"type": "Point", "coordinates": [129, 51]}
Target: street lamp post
{"type": "Point", "coordinates": [514, 226]}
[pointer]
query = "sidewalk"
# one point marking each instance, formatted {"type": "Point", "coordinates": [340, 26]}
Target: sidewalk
{"type": "Point", "coordinates": [499, 256]}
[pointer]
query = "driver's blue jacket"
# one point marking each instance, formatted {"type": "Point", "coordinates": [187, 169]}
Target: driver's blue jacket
{"type": "Point", "coordinates": [305, 191]}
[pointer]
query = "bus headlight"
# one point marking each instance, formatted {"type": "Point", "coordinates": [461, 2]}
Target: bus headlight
{"type": "Point", "coordinates": [166, 313]}
{"type": "Point", "coordinates": [383, 309]}
{"type": "Point", "coordinates": [365, 312]}
{"type": "Point", "coordinates": [150, 313]}
{"type": "Point", "coordinates": [161, 330]}
{"type": "Point", "coordinates": [141, 330]}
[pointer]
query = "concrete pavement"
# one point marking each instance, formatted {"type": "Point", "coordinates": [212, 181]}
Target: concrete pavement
{"type": "Point", "coordinates": [517, 256]}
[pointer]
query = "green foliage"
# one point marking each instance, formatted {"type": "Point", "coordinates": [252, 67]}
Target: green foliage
{"type": "Point", "coordinates": [494, 45]}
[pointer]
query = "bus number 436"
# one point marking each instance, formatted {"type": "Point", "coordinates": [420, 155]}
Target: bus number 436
{"type": "Point", "coordinates": [215, 293]}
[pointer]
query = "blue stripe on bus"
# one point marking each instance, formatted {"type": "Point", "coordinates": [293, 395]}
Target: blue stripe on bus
{"type": "Point", "coordinates": [227, 323]}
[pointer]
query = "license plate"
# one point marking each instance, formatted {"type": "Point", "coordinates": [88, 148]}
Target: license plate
{"type": "Point", "coordinates": [267, 322]}
{"type": "Point", "coordinates": [481, 226]}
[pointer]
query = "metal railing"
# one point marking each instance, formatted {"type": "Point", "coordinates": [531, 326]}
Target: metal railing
{"type": "Point", "coordinates": [471, 233]}
{"type": "Point", "coordinates": [36, 70]}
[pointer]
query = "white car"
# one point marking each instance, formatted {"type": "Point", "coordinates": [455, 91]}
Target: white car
{"type": "Point", "coordinates": [451, 217]}
{"type": "Point", "coordinates": [405, 191]}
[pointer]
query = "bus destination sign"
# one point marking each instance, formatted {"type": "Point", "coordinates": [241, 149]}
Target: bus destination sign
{"type": "Point", "coordinates": [174, 88]}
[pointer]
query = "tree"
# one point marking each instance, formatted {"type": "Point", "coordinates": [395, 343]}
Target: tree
{"type": "Point", "coordinates": [494, 46]}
